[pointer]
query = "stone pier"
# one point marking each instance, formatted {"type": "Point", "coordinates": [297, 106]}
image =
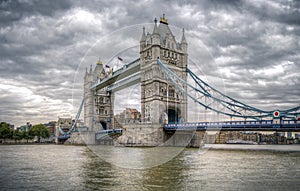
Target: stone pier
{"type": "Point", "coordinates": [141, 135]}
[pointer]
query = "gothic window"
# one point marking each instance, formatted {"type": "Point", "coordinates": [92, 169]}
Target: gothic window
{"type": "Point", "coordinates": [171, 93]}
{"type": "Point", "coordinates": [105, 111]}
{"type": "Point", "coordinates": [101, 111]}
{"type": "Point", "coordinates": [147, 112]}
{"type": "Point", "coordinates": [168, 54]}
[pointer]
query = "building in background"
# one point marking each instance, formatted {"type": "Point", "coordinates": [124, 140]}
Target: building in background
{"type": "Point", "coordinates": [129, 115]}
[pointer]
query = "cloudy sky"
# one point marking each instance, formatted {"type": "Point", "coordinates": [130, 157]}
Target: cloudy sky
{"type": "Point", "coordinates": [45, 47]}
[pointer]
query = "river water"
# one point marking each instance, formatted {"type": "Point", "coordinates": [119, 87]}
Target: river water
{"type": "Point", "coordinates": [58, 167]}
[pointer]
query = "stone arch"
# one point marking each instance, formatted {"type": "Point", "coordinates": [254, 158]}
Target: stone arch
{"type": "Point", "coordinates": [173, 115]}
{"type": "Point", "coordinates": [104, 124]}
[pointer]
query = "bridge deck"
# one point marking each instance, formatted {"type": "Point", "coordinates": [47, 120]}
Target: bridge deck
{"type": "Point", "coordinates": [107, 133]}
{"type": "Point", "coordinates": [265, 125]}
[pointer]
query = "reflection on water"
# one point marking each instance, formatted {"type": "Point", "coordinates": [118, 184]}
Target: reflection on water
{"type": "Point", "coordinates": [57, 167]}
{"type": "Point", "coordinates": [136, 157]}
{"type": "Point", "coordinates": [111, 177]}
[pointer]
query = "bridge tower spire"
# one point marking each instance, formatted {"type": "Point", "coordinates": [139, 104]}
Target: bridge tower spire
{"type": "Point", "coordinates": [160, 101]}
{"type": "Point", "coordinates": [143, 39]}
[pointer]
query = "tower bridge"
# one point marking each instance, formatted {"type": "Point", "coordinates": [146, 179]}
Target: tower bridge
{"type": "Point", "coordinates": [162, 71]}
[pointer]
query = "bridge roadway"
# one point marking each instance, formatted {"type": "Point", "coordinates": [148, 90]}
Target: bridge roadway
{"type": "Point", "coordinates": [264, 125]}
{"type": "Point", "coordinates": [128, 75]}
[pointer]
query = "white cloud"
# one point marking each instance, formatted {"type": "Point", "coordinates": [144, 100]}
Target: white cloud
{"type": "Point", "coordinates": [252, 45]}
{"type": "Point", "coordinates": [22, 101]}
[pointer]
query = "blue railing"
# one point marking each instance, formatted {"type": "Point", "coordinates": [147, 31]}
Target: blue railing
{"type": "Point", "coordinates": [235, 125]}
{"type": "Point", "coordinates": [110, 131]}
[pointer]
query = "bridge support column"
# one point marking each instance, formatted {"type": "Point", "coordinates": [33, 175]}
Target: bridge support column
{"type": "Point", "coordinates": [111, 119]}
{"type": "Point", "coordinates": [184, 138]}
{"type": "Point", "coordinates": [141, 135]}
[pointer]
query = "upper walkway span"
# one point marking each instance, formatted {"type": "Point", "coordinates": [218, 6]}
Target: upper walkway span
{"type": "Point", "coordinates": [121, 78]}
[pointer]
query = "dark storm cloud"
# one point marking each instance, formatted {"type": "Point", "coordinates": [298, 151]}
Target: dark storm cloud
{"type": "Point", "coordinates": [11, 11]}
{"type": "Point", "coordinates": [287, 12]}
{"type": "Point", "coordinates": [253, 45]}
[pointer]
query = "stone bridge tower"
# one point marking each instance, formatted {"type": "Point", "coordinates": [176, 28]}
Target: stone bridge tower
{"type": "Point", "coordinates": [161, 102]}
{"type": "Point", "coordinates": [98, 104]}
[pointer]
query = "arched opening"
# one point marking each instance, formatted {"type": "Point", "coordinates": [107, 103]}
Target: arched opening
{"type": "Point", "coordinates": [172, 116]}
{"type": "Point", "coordinates": [103, 125]}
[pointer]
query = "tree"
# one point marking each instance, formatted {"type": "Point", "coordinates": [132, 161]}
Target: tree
{"type": "Point", "coordinates": [25, 135]}
{"type": "Point", "coordinates": [40, 131]}
{"type": "Point", "coordinates": [5, 131]}
{"type": "Point", "coordinates": [17, 135]}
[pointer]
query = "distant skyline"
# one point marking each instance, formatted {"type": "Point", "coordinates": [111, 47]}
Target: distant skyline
{"type": "Point", "coordinates": [45, 47]}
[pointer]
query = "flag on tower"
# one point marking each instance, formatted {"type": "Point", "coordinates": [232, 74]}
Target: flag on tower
{"type": "Point", "coordinates": [119, 58]}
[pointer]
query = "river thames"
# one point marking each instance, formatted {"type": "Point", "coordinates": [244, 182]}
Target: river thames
{"type": "Point", "coordinates": [58, 167]}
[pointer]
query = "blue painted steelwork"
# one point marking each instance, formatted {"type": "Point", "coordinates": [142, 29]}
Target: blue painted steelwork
{"type": "Point", "coordinates": [72, 128]}
{"type": "Point", "coordinates": [64, 136]}
{"type": "Point", "coordinates": [110, 131]}
{"type": "Point", "coordinates": [105, 133]}
{"type": "Point", "coordinates": [264, 125]}
{"type": "Point", "coordinates": [231, 107]}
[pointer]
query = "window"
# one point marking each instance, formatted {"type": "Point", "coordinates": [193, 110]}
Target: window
{"type": "Point", "coordinates": [171, 93]}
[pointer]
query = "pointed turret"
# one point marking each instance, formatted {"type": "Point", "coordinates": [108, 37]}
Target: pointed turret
{"type": "Point", "coordinates": [143, 38]}
{"type": "Point", "coordinates": [183, 40]}
{"type": "Point", "coordinates": [91, 69]}
{"type": "Point", "coordinates": [155, 34]}
{"type": "Point", "coordinates": [155, 30]}
{"type": "Point", "coordinates": [86, 72]}
{"type": "Point", "coordinates": [183, 43]}
{"type": "Point", "coordinates": [184, 48]}
{"type": "Point", "coordinates": [99, 70]}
